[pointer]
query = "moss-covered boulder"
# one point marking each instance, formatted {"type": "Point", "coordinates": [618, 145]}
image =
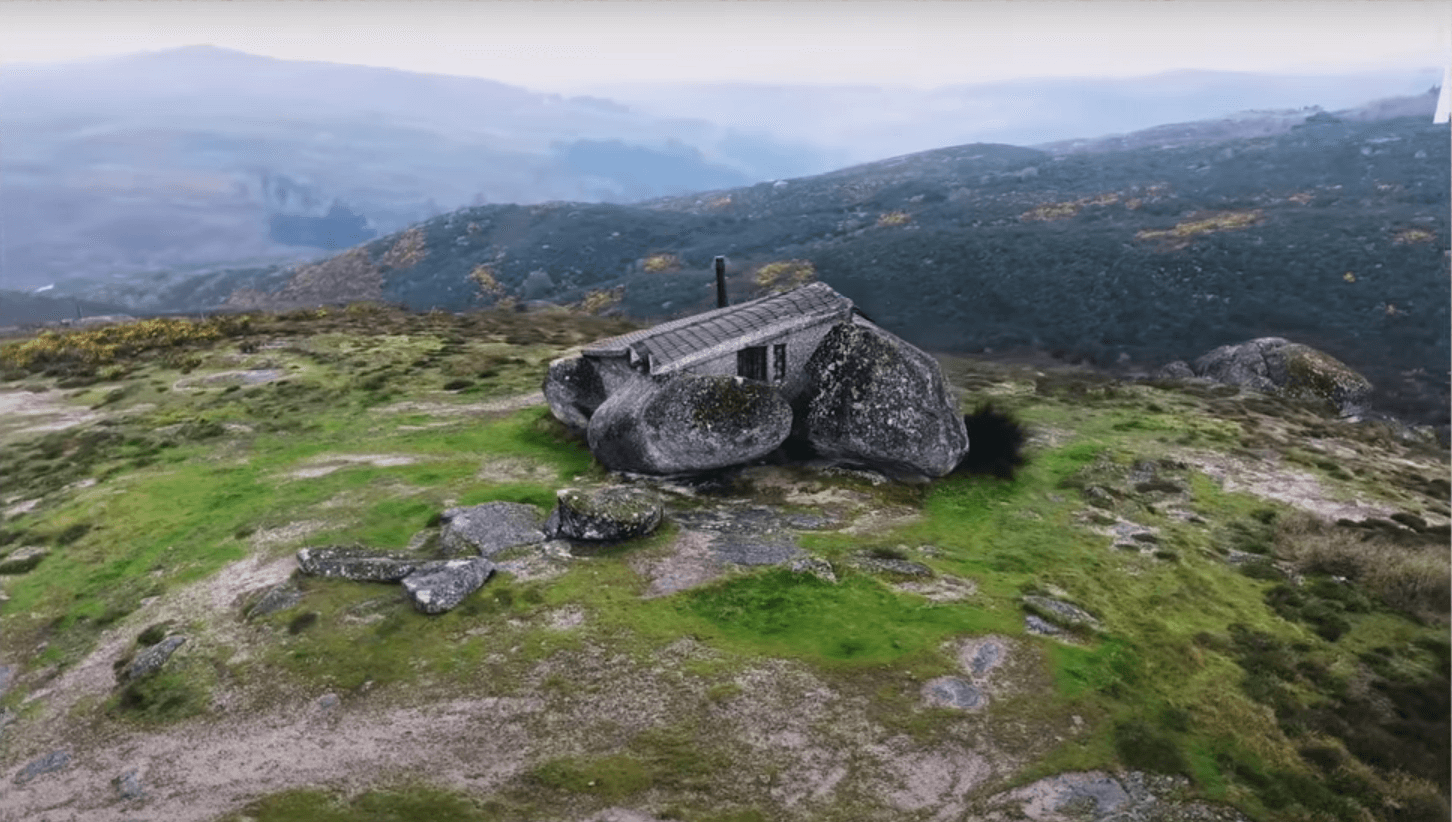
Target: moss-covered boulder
{"type": "Point", "coordinates": [1274, 365]}
{"type": "Point", "coordinates": [605, 515]}
{"type": "Point", "coordinates": [872, 399]}
{"type": "Point", "coordinates": [688, 423]}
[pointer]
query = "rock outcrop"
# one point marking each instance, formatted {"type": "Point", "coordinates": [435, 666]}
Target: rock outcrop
{"type": "Point", "coordinates": [573, 389]}
{"type": "Point", "coordinates": [871, 399]}
{"type": "Point", "coordinates": [150, 660]}
{"type": "Point", "coordinates": [607, 515]}
{"type": "Point", "coordinates": [358, 564]}
{"type": "Point", "coordinates": [688, 423]}
{"type": "Point", "coordinates": [1274, 365]}
{"type": "Point", "coordinates": [489, 528]}
{"type": "Point", "coordinates": [23, 559]}
{"type": "Point", "coordinates": [440, 586]}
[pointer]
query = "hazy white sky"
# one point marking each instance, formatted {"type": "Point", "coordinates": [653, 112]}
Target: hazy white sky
{"type": "Point", "coordinates": [555, 45]}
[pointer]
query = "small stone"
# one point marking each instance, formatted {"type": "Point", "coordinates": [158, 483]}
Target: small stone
{"type": "Point", "coordinates": [327, 701]}
{"type": "Point", "coordinates": [817, 567]}
{"type": "Point", "coordinates": [23, 559]}
{"type": "Point", "coordinates": [278, 598]}
{"type": "Point", "coordinates": [128, 785]}
{"type": "Point", "coordinates": [50, 763]}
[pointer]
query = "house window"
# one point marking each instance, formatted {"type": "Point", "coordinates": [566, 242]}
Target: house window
{"type": "Point", "coordinates": [751, 363]}
{"type": "Point", "coordinates": [778, 362]}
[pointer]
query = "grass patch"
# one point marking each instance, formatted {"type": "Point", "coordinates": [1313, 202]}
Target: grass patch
{"type": "Point", "coordinates": [858, 620]}
{"type": "Point", "coordinates": [408, 803]}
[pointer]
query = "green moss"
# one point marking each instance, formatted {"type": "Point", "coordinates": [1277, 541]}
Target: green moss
{"type": "Point", "coordinates": [858, 620]}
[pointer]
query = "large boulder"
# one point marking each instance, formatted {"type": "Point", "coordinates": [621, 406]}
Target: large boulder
{"type": "Point", "coordinates": [573, 388]}
{"type": "Point", "coordinates": [358, 564]}
{"type": "Point", "coordinates": [440, 586]}
{"type": "Point", "coordinates": [606, 515]}
{"type": "Point", "coordinates": [871, 399]}
{"type": "Point", "coordinates": [490, 528]}
{"type": "Point", "coordinates": [1273, 365]}
{"type": "Point", "coordinates": [688, 423]}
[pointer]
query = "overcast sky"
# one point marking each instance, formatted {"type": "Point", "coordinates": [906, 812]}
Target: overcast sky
{"type": "Point", "coordinates": [562, 46]}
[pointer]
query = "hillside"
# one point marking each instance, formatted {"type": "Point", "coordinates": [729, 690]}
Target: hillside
{"type": "Point", "coordinates": [1332, 231]}
{"type": "Point", "coordinates": [1191, 604]}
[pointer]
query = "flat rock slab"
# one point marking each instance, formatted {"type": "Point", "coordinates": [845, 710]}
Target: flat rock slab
{"type": "Point", "coordinates": [50, 763]}
{"type": "Point", "coordinates": [610, 514]}
{"type": "Point", "coordinates": [743, 536]}
{"type": "Point", "coordinates": [983, 657]}
{"type": "Point", "coordinates": [358, 564]}
{"type": "Point", "coordinates": [953, 692]}
{"type": "Point", "coordinates": [1095, 796]}
{"type": "Point", "coordinates": [1035, 624]}
{"type": "Point", "coordinates": [150, 660]}
{"type": "Point", "coordinates": [1060, 613]}
{"type": "Point", "coordinates": [23, 559]}
{"type": "Point", "coordinates": [490, 528]}
{"type": "Point", "coordinates": [890, 565]}
{"type": "Point", "coordinates": [277, 598]}
{"type": "Point", "coordinates": [437, 587]}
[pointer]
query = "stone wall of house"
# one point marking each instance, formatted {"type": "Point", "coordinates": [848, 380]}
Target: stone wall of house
{"type": "Point", "coordinates": [800, 344]}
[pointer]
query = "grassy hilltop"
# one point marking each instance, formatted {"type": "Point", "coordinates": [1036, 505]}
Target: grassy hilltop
{"type": "Point", "coordinates": [1262, 595]}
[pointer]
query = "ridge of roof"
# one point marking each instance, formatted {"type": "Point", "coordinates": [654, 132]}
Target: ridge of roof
{"type": "Point", "coordinates": [677, 339]}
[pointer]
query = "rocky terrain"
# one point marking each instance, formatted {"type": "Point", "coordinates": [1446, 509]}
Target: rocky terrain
{"type": "Point", "coordinates": [1194, 601]}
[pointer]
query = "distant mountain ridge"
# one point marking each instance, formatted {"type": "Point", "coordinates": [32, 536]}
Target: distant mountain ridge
{"type": "Point", "coordinates": [1333, 231]}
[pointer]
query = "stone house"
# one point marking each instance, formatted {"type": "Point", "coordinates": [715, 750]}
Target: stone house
{"type": "Point", "coordinates": [768, 339]}
{"type": "Point", "coordinates": [730, 386]}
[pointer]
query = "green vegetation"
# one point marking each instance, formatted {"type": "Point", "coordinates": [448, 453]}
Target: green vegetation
{"type": "Point", "coordinates": [1289, 666]}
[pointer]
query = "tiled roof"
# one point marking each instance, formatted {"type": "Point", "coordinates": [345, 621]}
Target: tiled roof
{"type": "Point", "coordinates": [677, 340]}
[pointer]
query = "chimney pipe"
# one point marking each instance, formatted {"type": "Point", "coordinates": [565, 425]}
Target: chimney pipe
{"type": "Point", "coordinates": [720, 282]}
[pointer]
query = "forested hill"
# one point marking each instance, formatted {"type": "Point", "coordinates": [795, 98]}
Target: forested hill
{"type": "Point", "coordinates": [1333, 232]}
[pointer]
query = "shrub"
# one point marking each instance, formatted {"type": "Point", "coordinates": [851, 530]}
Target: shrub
{"type": "Point", "coordinates": [785, 275]}
{"type": "Point", "coordinates": [1144, 747]}
{"type": "Point", "coordinates": [1409, 573]}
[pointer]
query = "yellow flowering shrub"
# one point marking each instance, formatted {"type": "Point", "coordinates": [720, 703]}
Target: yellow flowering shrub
{"type": "Point", "coordinates": [659, 263]}
{"type": "Point", "coordinates": [98, 346]}
{"type": "Point", "coordinates": [785, 275]}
